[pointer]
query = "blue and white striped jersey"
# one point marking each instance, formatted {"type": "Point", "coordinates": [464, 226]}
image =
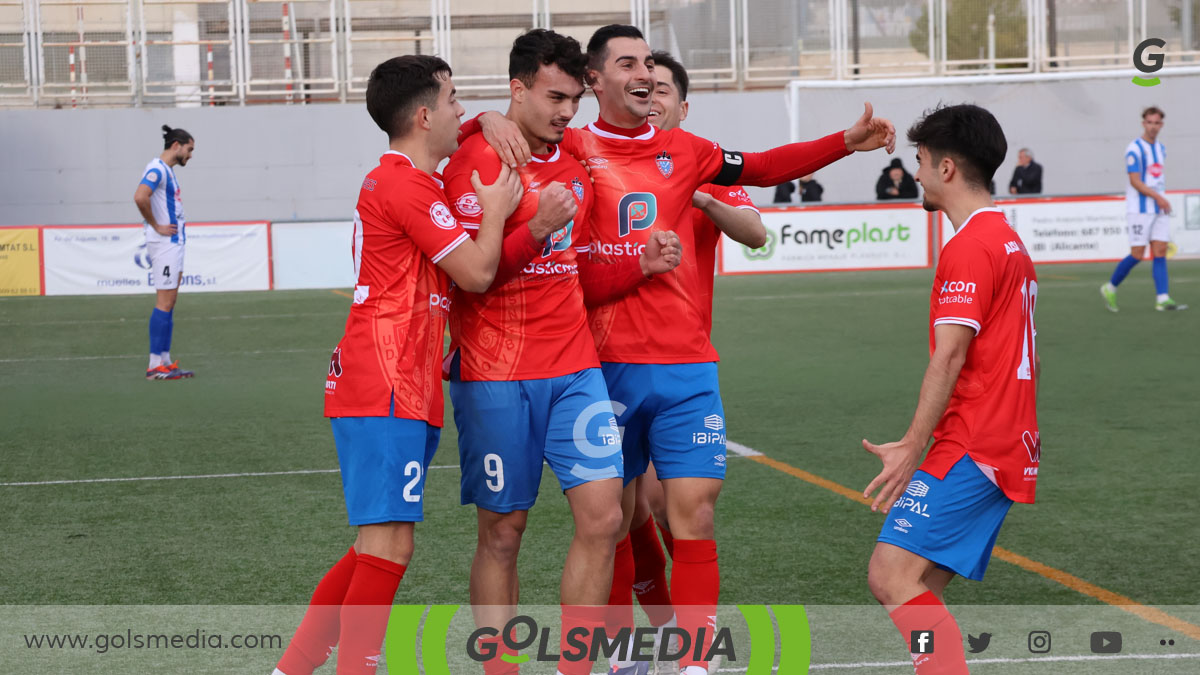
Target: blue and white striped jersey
{"type": "Point", "coordinates": [165, 201]}
{"type": "Point", "coordinates": [1146, 159]}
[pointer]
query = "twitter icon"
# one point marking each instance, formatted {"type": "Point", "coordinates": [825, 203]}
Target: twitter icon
{"type": "Point", "coordinates": [980, 643]}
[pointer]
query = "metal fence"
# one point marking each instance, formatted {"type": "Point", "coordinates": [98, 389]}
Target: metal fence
{"type": "Point", "coordinates": [220, 52]}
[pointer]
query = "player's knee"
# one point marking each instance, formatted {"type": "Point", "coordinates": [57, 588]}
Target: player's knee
{"type": "Point", "coordinates": [602, 523]}
{"type": "Point", "coordinates": [502, 539]}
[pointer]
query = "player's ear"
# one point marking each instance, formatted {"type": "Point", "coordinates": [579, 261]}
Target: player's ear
{"type": "Point", "coordinates": [517, 89]}
{"type": "Point", "coordinates": [591, 78]}
{"type": "Point", "coordinates": [422, 118]}
{"type": "Point", "coordinates": [947, 168]}
{"type": "Point", "coordinates": [683, 111]}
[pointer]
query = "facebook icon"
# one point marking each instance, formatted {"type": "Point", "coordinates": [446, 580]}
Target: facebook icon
{"type": "Point", "coordinates": [921, 642]}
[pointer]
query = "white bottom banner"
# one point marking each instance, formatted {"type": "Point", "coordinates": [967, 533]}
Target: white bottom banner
{"type": "Point", "coordinates": [113, 260]}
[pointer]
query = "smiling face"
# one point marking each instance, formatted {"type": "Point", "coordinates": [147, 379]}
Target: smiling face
{"type": "Point", "coordinates": [625, 83]}
{"type": "Point", "coordinates": [667, 109]}
{"type": "Point", "coordinates": [929, 175]}
{"type": "Point", "coordinates": [544, 110]}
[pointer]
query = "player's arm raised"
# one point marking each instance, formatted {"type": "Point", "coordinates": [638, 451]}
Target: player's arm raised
{"type": "Point", "coordinates": [744, 226]}
{"type": "Point", "coordinates": [472, 265]}
{"type": "Point", "coordinates": [141, 198]}
{"type": "Point", "coordinates": [901, 458]}
{"type": "Point", "coordinates": [790, 162]}
{"type": "Point", "coordinates": [1135, 179]}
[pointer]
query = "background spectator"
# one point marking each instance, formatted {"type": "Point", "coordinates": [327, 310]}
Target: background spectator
{"type": "Point", "coordinates": [783, 193]}
{"type": "Point", "coordinates": [896, 182]}
{"type": "Point", "coordinates": [1027, 177]}
{"type": "Point", "coordinates": [810, 189]}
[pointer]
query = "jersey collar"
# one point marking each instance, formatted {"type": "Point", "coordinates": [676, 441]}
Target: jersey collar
{"type": "Point", "coordinates": [986, 209]}
{"type": "Point", "coordinates": [401, 154]}
{"type": "Point", "coordinates": [605, 130]}
{"type": "Point", "coordinates": [547, 158]}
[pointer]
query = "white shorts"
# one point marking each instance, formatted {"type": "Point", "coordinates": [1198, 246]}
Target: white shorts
{"type": "Point", "coordinates": [166, 264]}
{"type": "Point", "coordinates": [1147, 227]}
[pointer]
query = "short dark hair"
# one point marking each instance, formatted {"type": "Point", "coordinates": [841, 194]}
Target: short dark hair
{"type": "Point", "coordinates": [173, 136]}
{"type": "Point", "coordinates": [540, 47]}
{"type": "Point", "coordinates": [970, 135]}
{"type": "Point", "coordinates": [597, 49]}
{"type": "Point", "coordinates": [400, 85]}
{"type": "Point", "coordinates": [1154, 110]}
{"type": "Point", "coordinates": [678, 72]}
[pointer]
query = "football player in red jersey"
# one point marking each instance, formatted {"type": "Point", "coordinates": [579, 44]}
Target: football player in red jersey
{"type": "Point", "coordinates": [718, 209]}
{"type": "Point", "coordinates": [978, 400]}
{"type": "Point", "coordinates": [653, 343]}
{"type": "Point", "coordinates": [523, 366]}
{"type": "Point", "coordinates": [383, 392]}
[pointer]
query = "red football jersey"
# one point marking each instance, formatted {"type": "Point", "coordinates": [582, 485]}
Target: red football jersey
{"type": "Point", "coordinates": [708, 235]}
{"type": "Point", "coordinates": [393, 343]}
{"type": "Point", "coordinates": [644, 183]}
{"type": "Point", "coordinates": [535, 325]}
{"type": "Point", "coordinates": [985, 280]}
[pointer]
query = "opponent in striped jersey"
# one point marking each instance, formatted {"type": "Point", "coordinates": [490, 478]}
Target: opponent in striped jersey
{"type": "Point", "coordinates": [978, 400]}
{"type": "Point", "coordinates": [524, 367]}
{"type": "Point", "coordinates": [383, 391]}
{"type": "Point", "coordinates": [1147, 211]}
{"type": "Point", "coordinates": [158, 199]}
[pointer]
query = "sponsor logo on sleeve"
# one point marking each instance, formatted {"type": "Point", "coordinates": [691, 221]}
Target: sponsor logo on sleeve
{"type": "Point", "coordinates": [369, 184]}
{"type": "Point", "coordinates": [152, 176]}
{"type": "Point", "coordinates": [440, 214]}
{"type": "Point", "coordinates": [957, 292]}
{"type": "Point", "coordinates": [468, 205]}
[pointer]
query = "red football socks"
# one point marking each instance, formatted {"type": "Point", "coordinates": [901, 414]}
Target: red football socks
{"type": "Point", "coordinates": [578, 616]}
{"type": "Point", "coordinates": [495, 665]}
{"type": "Point", "coordinates": [650, 574]}
{"type": "Point", "coordinates": [926, 614]}
{"type": "Point", "coordinates": [695, 588]}
{"type": "Point", "coordinates": [365, 613]}
{"type": "Point", "coordinates": [318, 632]}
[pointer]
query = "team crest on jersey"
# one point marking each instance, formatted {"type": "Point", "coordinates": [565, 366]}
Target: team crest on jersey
{"type": "Point", "coordinates": [1156, 170]}
{"type": "Point", "coordinates": [440, 214]}
{"type": "Point", "coordinates": [666, 166]}
{"type": "Point", "coordinates": [577, 188]}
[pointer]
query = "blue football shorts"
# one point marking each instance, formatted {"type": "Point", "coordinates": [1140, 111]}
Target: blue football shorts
{"type": "Point", "coordinates": [383, 462]}
{"type": "Point", "coordinates": [952, 522]}
{"type": "Point", "coordinates": [507, 429]}
{"type": "Point", "coordinates": [670, 414]}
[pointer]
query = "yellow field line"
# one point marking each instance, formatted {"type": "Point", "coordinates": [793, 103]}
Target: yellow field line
{"type": "Point", "coordinates": [344, 294]}
{"type": "Point", "coordinates": [1056, 575]}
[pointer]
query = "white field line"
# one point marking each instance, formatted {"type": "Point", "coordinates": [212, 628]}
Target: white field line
{"type": "Point", "coordinates": [298, 472]}
{"type": "Point", "coordinates": [924, 290]}
{"type": "Point", "coordinates": [257, 352]}
{"type": "Point", "coordinates": [228, 317]}
{"type": "Point", "coordinates": [251, 474]}
{"type": "Point", "coordinates": [977, 662]}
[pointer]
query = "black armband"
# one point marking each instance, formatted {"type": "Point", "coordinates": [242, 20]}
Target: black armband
{"type": "Point", "coordinates": [731, 168]}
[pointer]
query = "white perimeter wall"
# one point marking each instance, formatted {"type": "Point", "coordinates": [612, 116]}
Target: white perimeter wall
{"type": "Point", "coordinates": [305, 162]}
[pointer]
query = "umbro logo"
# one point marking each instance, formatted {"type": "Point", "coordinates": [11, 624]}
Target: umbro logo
{"type": "Point", "coordinates": [917, 488]}
{"type": "Point", "coordinates": [903, 523]}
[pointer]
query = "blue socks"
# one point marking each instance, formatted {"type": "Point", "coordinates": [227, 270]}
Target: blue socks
{"type": "Point", "coordinates": [1125, 266]}
{"type": "Point", "coordinates": [160, 331]}
{"type": "Point", "coordinates": [1160, 276]}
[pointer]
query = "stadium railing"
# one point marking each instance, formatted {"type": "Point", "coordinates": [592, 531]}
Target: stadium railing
{"type": "Point", "coordinates": [58, 53]}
